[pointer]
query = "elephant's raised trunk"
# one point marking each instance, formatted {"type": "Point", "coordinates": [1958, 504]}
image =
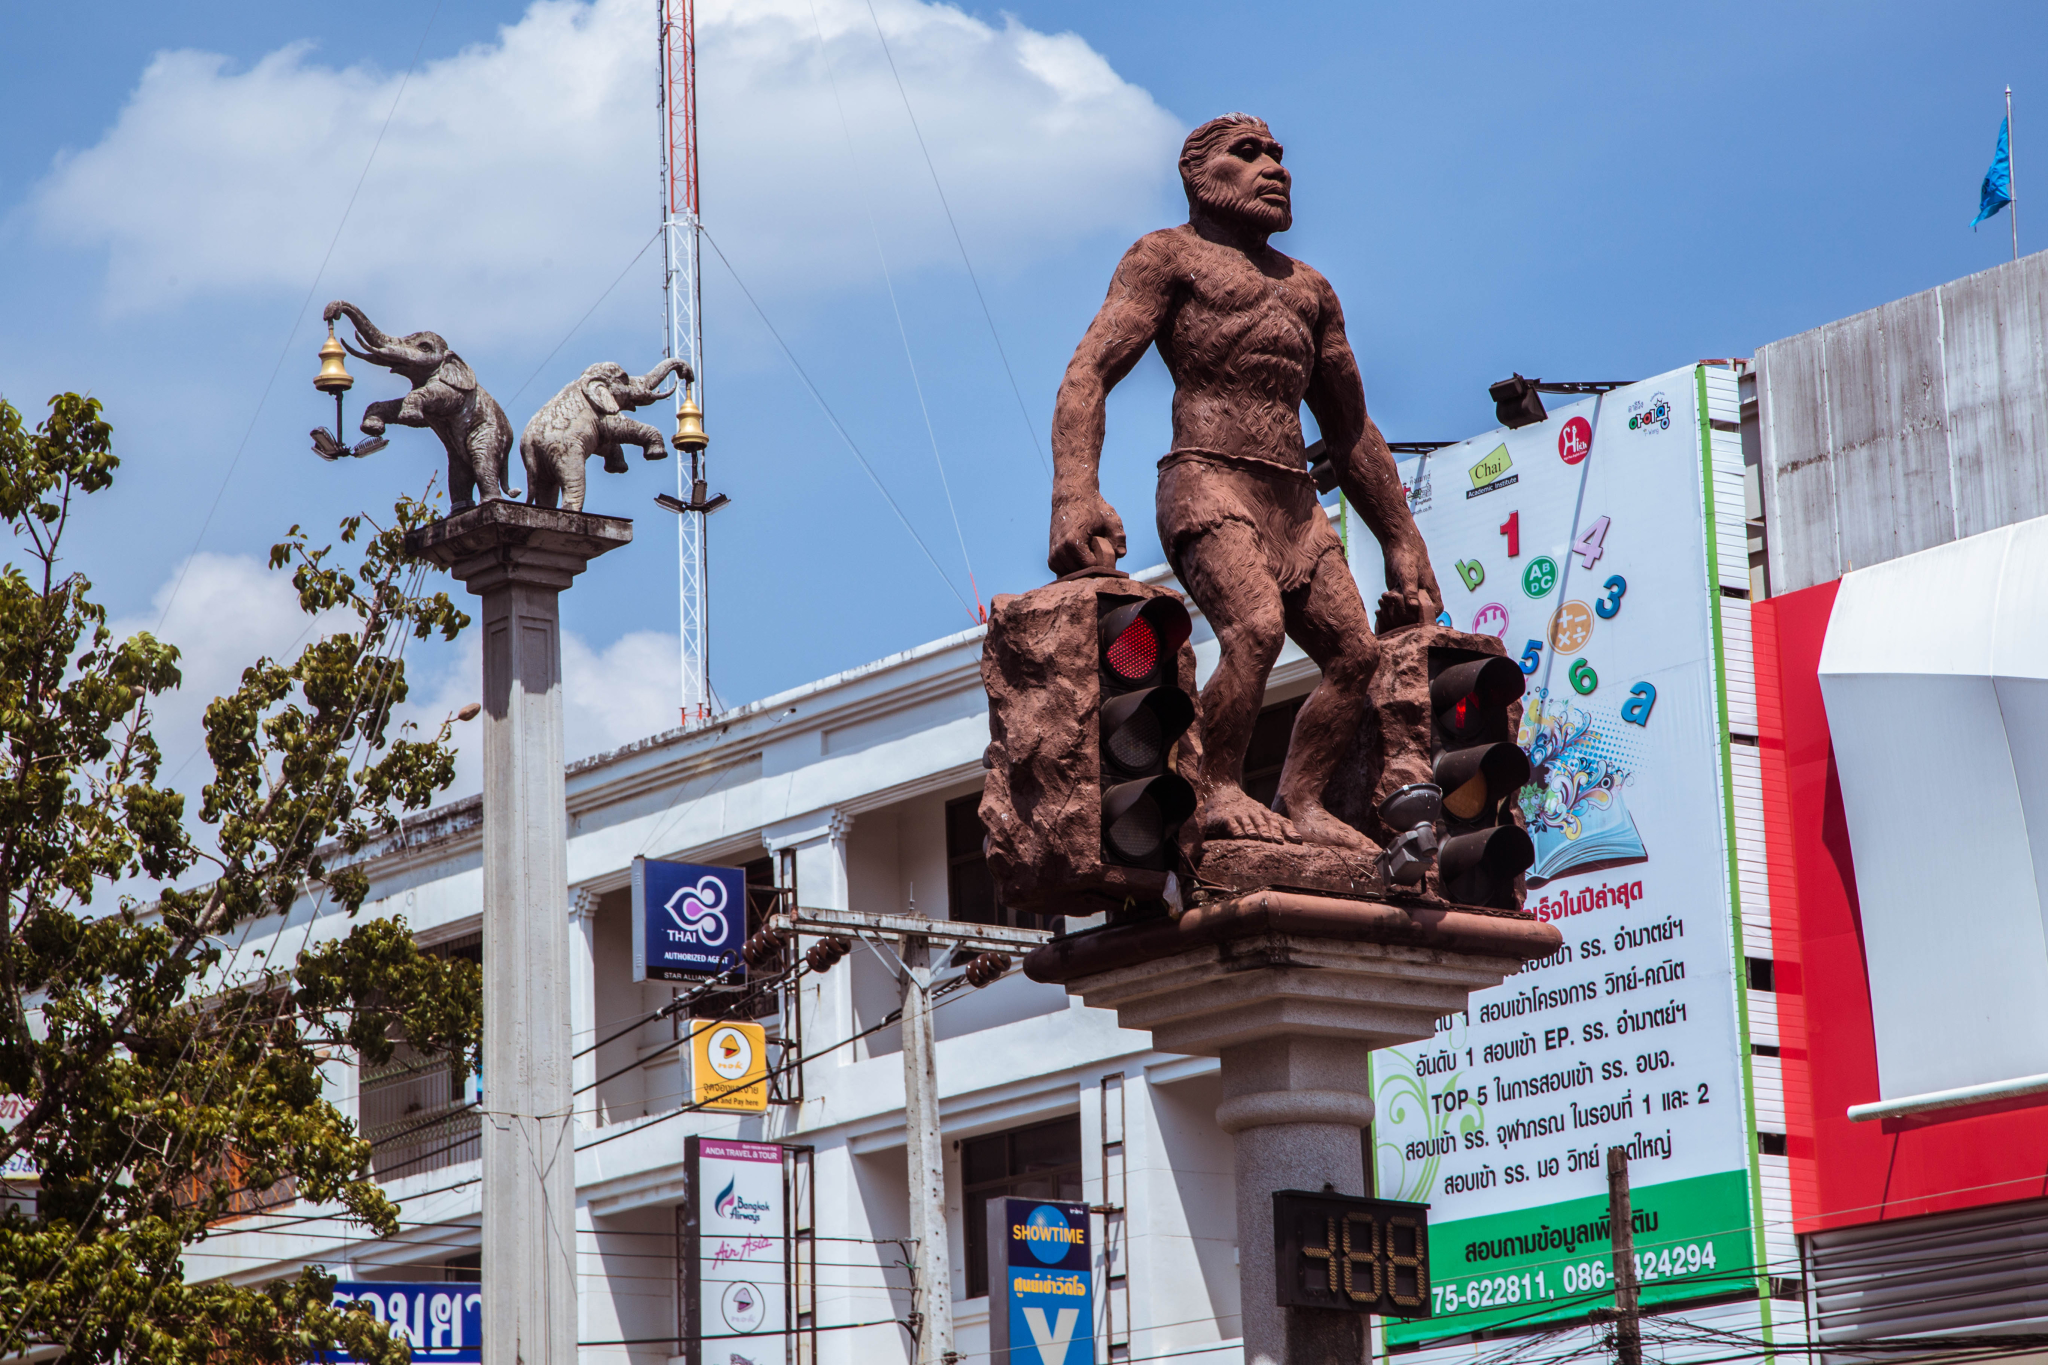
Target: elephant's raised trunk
{"type": "Point", "coordinates": [672, 366]}
{"type": "Point", "coordinates": [379, 349]}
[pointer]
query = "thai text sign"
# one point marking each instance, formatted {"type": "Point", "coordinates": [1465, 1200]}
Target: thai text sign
{"type": "Point", "coordinates": [688, 921]}
{"type": "Point", "coordinates": [728, 1066]}
{"type": "Point", "coordinates": [1597, 570]}
{"type": "Point", "coordinates": [1041, 1307]}
{"type": "Point", "coordinates": [440, 1322]}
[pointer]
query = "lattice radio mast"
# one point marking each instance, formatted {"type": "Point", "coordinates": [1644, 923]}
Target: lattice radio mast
{"type": "Point", "coordinates": [683, 300]}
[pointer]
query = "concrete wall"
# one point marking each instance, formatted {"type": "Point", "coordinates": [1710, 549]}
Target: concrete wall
{"type": "Point", "coordinates": [1905, 427]}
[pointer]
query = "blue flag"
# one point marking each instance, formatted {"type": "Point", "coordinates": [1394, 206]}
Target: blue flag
{"type": "Point", "coordinates": [1997, 191]}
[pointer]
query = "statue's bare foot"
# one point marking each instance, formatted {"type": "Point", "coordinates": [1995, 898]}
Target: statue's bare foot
{"type": "Point", "coordinates": [1230, 814]}
{"type": "Point", "coordinates": [1317, 826]}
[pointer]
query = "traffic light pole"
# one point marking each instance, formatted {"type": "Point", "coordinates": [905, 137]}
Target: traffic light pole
{"type": "Point", "coordinates": [1628, 1331]}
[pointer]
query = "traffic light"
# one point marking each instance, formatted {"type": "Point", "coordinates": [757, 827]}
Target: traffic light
{"type": "Point", "coordinates": [1142, 713]}
{"type": "Point", "coordinates": [1477, 765]}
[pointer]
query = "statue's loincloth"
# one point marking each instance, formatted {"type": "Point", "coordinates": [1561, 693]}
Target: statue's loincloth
{"type": "Point", "coordinates": [1203, 490]}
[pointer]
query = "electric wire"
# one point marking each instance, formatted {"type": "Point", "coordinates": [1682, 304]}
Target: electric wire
{"type": "Point", "coordinates": [299, 317]}
{"type": "Point", "coordinates": [585, 318]}
{"type": "Point", "coordinates": [889, 281]}
{"type": "Point", "coordinates": [1022, 410]}
{"type": "Point", "coordinates": [837, 425]}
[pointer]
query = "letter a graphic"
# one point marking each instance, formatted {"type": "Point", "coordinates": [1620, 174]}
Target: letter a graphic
{"type": "Point", "coordinates": [1052, 1342]}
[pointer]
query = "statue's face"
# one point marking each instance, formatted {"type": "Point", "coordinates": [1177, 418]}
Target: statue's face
{"type": "Point", "coordinates": [1244, 179]}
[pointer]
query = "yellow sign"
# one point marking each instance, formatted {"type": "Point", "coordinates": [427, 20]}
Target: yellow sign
{"type": "Point", "coordinates": [1490, 468]}
{"type": "Point", "coordinates": [728, 1066]}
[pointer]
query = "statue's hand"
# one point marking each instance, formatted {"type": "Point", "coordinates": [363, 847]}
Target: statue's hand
{"type": "Point", "coordinates": [1086, 534]}
{"type": "Point", "coordinates": [1412, 595]}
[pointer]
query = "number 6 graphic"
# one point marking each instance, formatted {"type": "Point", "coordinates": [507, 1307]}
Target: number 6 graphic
{"type": "Point", "coordinates": [1583, 678]}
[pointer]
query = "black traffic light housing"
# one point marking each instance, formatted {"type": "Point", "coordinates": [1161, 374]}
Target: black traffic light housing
{"type": "Point", "coordinates": [1142, 713]}
{"type": "Point", "coordinates": [1516, 403]}
{"type": "Point", "coordinates": [1478, 767]}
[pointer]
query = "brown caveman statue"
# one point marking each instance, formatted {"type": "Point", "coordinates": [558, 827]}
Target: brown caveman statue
{"type": "Point", "coordinates": [1249, 335]}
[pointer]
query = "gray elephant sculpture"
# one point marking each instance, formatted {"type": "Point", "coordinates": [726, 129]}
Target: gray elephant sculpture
{"type": "Point", "coordinates": [588, 418]}
{"type": "Point", "coordinates": [445, 399]}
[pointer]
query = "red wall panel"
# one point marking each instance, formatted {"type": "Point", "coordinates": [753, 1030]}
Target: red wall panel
{"type": "Point", "coordinates": [1847, 1173]}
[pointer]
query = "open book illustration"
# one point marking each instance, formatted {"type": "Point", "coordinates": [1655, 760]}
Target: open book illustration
{"type": "Point", "coordinates": [1573, 806]}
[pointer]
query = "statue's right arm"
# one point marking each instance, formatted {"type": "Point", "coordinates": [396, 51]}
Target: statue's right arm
{"type": "Point", "coordinates": [1086, 531]}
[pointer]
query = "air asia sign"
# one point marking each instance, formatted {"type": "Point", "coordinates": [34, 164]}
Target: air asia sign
{"type": "Point", "coordinates": [1041, 1303]}
{"type": "Point", "coordinates": [440, 1322]}
{"type": "Point", "coordinates": [1600, 571]}
{"type": "Point", "coordinates": [737, 1261]}
{"type": "Point", "coordinates": [688, 921]}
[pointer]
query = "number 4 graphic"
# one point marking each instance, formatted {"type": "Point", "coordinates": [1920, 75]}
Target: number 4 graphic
{"type": "Point", "coordinates": [1588, 547]}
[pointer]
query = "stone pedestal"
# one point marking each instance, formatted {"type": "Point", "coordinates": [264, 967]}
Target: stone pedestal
{"type": "Point", "coordinates": [518, 559]}
{"type": "Point", "coordinates": [1292, 990]}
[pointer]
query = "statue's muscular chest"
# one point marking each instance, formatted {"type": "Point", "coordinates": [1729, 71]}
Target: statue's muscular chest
{"type": "Point", "coordinates": [1232, 313]}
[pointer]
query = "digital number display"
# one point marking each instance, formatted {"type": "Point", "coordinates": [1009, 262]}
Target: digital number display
{"type": "Point", "coordinates": [1340, 1251]}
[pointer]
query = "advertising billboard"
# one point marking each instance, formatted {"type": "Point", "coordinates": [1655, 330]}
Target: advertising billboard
{"type": "Point", "coordinates": [728, 1063]}
{"type": "Point", "coordinates": [737, 1271]}
{"type": "Point", "coordinates": [1588, 545]}
{"type": "Point", "coordinates": [1041, 1282]}
{"type": "Point", "coordinates": [688, 920]}
{"type": "Point", "coordinates": [440, 1322]}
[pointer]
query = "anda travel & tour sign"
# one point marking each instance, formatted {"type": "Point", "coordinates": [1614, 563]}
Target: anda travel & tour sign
{"type": "Point", "coordinates": [736, 1254]}
{"type": "Point", "coordinates": [1041, 1289]}
{"type": "Point", "coordinates": [688, 920]}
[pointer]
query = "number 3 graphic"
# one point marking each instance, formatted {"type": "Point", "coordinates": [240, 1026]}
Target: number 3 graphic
{"type": "Point", "coordinates": [1616, 586]}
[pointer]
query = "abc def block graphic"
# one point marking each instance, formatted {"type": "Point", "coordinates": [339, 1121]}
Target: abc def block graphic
{"type": "Point", "coordinates": [688, 921]}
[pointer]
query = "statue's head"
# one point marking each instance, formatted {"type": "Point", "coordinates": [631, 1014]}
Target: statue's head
{"type": "Point", "coordinates": [1230, 167]}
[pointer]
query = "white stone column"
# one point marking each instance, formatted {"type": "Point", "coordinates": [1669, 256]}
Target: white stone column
{"type": "Point", "coordinates": [518, 559]}
{"type": "Point", "coordinates": [583, 1002]}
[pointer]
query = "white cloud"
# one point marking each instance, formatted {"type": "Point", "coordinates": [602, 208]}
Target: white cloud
{"type": "Point", "coordinates": [516, 176]}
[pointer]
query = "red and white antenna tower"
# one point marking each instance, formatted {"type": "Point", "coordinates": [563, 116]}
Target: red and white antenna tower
{"type": "Point", "coordinates": [683, 297]}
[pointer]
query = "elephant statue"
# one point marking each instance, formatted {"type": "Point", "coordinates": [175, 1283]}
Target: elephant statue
{"type": "Point", "coordinates": [445, 399]}
{"type": "Point", "coordinates": [587, 418]}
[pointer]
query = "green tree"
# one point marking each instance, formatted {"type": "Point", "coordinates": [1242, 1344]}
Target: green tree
{"type": "Point", "coordinates": [161, 1070]}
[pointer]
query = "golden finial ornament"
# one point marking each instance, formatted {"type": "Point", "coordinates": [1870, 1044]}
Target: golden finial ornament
{"type": "Point", "coordinates": [690, 437]}
{"type": "Point", "coordinates": [334, 377]}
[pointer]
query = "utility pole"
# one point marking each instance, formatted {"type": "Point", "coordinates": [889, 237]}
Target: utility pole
{"type": "Point", "coordinates": [926, 1156]}
{"type": "Point", "coordinates": [1628, 1332]}
{"type": "Point", "coordinates": [924, 1150]}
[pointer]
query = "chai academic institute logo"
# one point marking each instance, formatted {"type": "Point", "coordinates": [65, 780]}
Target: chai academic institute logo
{"type": "Point", "coordinates": [1491, 473]}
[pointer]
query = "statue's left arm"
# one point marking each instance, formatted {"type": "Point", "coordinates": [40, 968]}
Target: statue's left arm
{"type": "Point", "coordinates": [1366, 472]}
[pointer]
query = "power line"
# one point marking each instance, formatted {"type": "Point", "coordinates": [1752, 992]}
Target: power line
{"type": "Point", "coordinates": [300, 316]}
{"type": "Point", "coordinates": [989, 317]}
{"type": "Point", "coordinates": [837, 425]}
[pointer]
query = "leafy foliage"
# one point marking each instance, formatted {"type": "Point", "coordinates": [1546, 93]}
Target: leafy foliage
{"type": "Point", "coordinates": [159, 1072]}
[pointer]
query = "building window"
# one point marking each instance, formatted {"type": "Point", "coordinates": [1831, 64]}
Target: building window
{"type": "Point", "coordinates": [970, 890]}
{"type": "Point", "coordinates": [1039, 1162]}
{"type": "Point", "coordinates": [416, 1109]}
{"type": "Point", "coordinates": [1266, 755]}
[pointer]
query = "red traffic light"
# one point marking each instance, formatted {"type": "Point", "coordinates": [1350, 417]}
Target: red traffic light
{"type": "Point", "coordinates": [1141, 641]}
{"type": "Point", "coordinates": [1471, 697]}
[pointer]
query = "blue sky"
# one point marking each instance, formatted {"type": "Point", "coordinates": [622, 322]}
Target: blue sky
{"type": "Point", "coordinates": [1580, 191]}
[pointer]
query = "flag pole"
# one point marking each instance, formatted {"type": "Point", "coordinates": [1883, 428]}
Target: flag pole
{"type": "Point", "coordinates": [2011, 190]}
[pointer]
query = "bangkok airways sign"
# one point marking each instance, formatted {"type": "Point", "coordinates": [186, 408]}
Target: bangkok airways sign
{"type": "Point", "coordinates": [688, 921]}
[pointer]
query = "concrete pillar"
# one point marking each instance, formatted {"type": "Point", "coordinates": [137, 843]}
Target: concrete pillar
{"type": "Point", "coordinates": [583, 1002]}
{"type": "Point", "coordinates": [1294, 1105]}
{"type": "Point", "coordinates": [518, 559]}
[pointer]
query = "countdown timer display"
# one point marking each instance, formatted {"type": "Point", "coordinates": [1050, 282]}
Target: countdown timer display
{"type": "Point", "coordinates": [1362, 1255]}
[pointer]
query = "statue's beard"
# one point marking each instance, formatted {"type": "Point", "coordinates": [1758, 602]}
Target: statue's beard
{"type": "Point", "coordinates": [1253, 212]}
